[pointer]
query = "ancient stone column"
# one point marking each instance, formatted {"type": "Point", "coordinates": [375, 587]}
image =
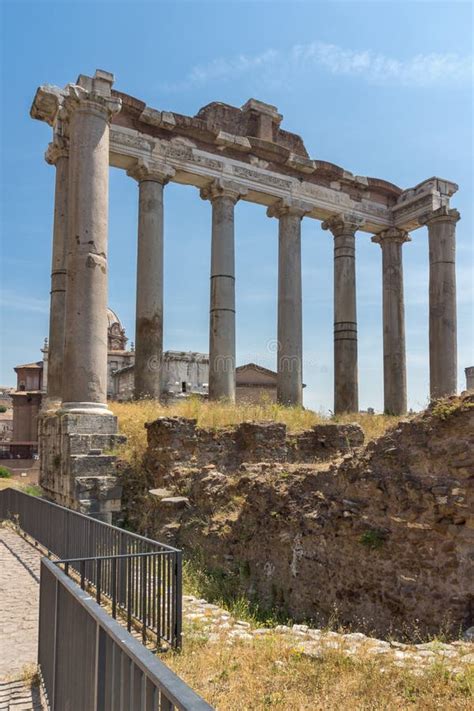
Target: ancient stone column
{"type": "Point", "coordinates": [290, 317]}
{"type": "Point", "coordinates": [58, 155]}
{"type": "Point", "coordinates": [343, 228]}
{"type": "Point", "coordinates": [442, 288]}
{"type": "Point", "coordinates": [223, 196]}
{"type": "Point", "coordinates": [90, 107]}
{"type": "Point", "coordinates": [394, 357]}
{"type": "Point", "coordinates": [151, 177]}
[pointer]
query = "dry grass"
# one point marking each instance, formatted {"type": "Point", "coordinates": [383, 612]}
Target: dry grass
{"type": "Point", "coordinates": [133, 415]}
{"type": "Point", "coordinates": [15, 483]}
{"type": "Point", "coordinates": [269, 673]}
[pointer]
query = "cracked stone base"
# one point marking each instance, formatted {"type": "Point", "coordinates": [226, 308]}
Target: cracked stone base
{"type": "Point", "coordinates": [77, 463]}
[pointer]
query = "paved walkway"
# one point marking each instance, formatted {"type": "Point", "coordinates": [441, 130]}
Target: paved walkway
{"type": "Point", "coordinates": [19, 597]}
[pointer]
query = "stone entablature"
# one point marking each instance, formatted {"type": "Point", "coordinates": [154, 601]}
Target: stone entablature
{"type": "Point", "coordinates": [227, 142]}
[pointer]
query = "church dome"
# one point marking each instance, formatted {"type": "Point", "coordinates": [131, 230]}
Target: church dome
{"type": "Point", "coordinates": [113, 318]}
{"type": "Point", "coordinates": [117, 340]}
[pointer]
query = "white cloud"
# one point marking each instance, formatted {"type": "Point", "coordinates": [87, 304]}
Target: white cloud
{"type": "Point", "coordinates": [273, 65]}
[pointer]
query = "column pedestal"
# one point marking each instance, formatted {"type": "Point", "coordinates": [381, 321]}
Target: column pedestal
{"type": "Point", "coordinates": [394, 357]}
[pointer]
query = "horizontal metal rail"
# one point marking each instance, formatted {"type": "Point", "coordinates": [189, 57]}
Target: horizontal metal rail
{"type": "Point", "coordinates": [88, 661]}
{"type": "Point", "coordinates": [115, 561]}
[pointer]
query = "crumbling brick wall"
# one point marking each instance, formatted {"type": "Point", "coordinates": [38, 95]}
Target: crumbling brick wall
{"type": "Point", "coordinates": [380, 537]}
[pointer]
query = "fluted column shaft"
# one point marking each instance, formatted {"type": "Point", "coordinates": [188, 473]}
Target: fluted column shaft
{"type": "Point", "coordinates": [442, 301]}
{"type": "Point", "coordinates": [57, 154]}
{"type": "Point", "coordinates": [149, 304]}
{"type": "Point", "coordinates": [223, 196]}
{"type": "Point", "coordinates": [85, 349]}
{"type": "Point", "coordinates": [290, 314]}
{"type": "Point", "coordinates": [346, 387]}
{"type": "Point", "coordinates": [394, 355]}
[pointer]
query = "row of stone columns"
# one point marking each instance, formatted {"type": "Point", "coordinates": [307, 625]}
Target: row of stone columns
{"type": "Point", "coordinates": [78, 327]}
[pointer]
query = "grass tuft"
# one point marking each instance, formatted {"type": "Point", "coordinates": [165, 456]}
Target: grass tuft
{"type": "Point", "coordinates": [5, 473]}
{"type": "Point", "coordinates": [132, 417]}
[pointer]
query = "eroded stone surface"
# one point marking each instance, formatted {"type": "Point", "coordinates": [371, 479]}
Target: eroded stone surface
{"type": "Point", "coordinates": [381, 537]}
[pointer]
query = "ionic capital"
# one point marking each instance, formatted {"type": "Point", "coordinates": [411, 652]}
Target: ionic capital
{"type": "Point", "coordinates": [391, 235]}
{"type": "Point", "coordinates": [343, 224]}
{"type": "Point", "coordinates": [157, 171]}
{"type": "Point", "coordinates": [288, 206]}
{"type": "Point", "coordinates": [442, 214]}
{"type": "Point", "coordinates": [223, 188]}
{"type": "Point", "coordinates": [59, 148]}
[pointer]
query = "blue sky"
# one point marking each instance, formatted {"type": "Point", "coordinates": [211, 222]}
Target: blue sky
{"type": "Point", "coordinates": [383, 89]}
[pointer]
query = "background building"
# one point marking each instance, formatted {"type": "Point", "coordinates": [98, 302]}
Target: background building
{"type": "Point", "coordinates": [185, 373]}
{"type": "Point", "coordinates": [256, 384]}
{"type": "Point", "coordinates": [118, 357]}
{"type": "Point", "coordinates": [26, 401]}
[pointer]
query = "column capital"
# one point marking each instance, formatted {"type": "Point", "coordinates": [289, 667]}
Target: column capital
{"type": "Point", "coordinates": [94, 94]}
{"type": "Point", "coordinates": [59, 148]}
{"type": "Point", "coordinates": [391, 235]}
{"type": "Point", "coordinates": [289, 206]}
{"type": "Point", "coordinates": [223, 188]}
{"type": "Point", "coordinates": [343, 224]}
{"type": "Point", "coordinates": [442, 214]}
{"type": "Point", "coordinates": [156, 171]}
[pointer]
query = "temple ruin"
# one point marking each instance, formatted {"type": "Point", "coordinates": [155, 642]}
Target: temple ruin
{"type": "Point", "coordinates": [229, 154]}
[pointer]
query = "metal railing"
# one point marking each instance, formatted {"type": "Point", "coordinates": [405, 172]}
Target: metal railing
{"type": "Point", "coordinates": [88, 661]}
{"type": "Point", "coordinates": [139, 577]}
{"type": "Point", "coordinates": [138, 587]}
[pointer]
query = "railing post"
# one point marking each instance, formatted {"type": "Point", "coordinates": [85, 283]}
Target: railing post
{"type": "Point", "coordinates": [99, 682]}
{"type": "Point", "coordinates": [144, 590]}
{"type": "Point", "coordinates": [178, 584]}
{"type": "Point", "coordinates": [55, 647]}
{"type": "Point", "coordinates": [114, 587]}
{"type": "Point", "coordinates": [98, 582]}
{"type": "Point", "coordinates": [129, 594]}
{"type": "Point", "coordinates": [122, 570]}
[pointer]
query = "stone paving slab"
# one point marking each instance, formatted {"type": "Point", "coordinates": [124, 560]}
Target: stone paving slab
{"type": "Point", "coordinates": [19, 604]}
{"type": "Point", "coordinates": [20, 696]}
{"type": "Point", "coordinates": [216, 625]}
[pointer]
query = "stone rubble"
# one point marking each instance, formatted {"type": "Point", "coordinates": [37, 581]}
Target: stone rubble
{"type": "Point", "coordinates": [382, 534]}
{"type": "Point", "coordinates": [202, 619]}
